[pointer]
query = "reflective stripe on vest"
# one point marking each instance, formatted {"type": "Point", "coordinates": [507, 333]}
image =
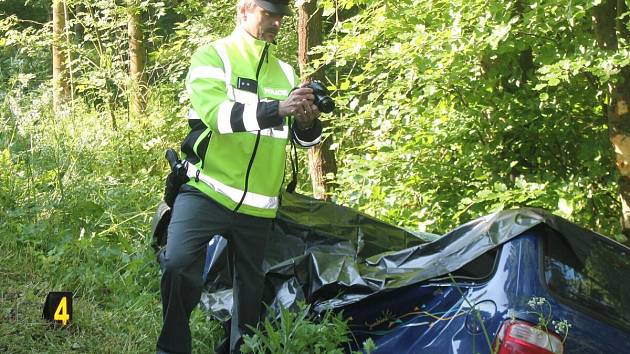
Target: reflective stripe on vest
{"type": "Point", "coordinates": [227, 66]}
{"type": "Point", "coordinates": [206, 72]}
{"type": "Point", "coordinates": [251, 199]}
{"type": "Point", "coordinates": [279, 133]}
{"type": "Point", "coordinates": [288, 72]}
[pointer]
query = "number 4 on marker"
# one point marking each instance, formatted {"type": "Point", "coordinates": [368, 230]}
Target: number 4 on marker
{"type": "Point", "coordinates": [61, 313]}
{"type": "Point", "coordinates": [58, 307]}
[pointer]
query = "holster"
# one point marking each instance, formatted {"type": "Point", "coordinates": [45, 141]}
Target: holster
{"type": "Point", "coordinates": [175, 179]}
{"type": "Point", "coordinates": [171, 187]}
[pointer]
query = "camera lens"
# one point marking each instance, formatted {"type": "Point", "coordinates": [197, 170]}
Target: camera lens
{"type": "Point", "coordinates": [325, 104]}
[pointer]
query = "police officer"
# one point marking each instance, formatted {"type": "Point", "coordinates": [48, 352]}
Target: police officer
{"type": "Point", "coordinates": [244, 111]}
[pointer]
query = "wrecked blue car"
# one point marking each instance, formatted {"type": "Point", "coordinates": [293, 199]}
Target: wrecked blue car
{"type": "Point", "coordinates": [517, 281]}
{"type": "Point", "coordinates": [520, 297]}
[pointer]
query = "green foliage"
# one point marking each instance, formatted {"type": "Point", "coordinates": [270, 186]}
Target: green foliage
{"type": "Point", "coordinates": [454, 109]}
{"type": "Point", "coordinates": [77, 195]}
{"type": "Point", "coordinates": [114, 320]}
{"type": "Point", "coordinates": [542, 309]}
{"type": "Point", "coordinates": [298, 332]}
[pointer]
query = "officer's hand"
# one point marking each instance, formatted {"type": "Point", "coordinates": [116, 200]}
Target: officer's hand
{"type": "Point", "coordinates": [300, 105]}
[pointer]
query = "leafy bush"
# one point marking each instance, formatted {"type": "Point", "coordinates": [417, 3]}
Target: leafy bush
{"type": "Point", "coordinates": [298, 331]}
{"type": "Point", "coordinates": [454, 109]}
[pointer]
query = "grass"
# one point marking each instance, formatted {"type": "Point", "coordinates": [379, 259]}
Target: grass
{"type": "Point", "coordinates": [75, 216]}
{"type": "Point", "coordinates": [124, 319]}
{"type": "Point", "coordinates": [120, 313]}
{"type": "Point", "coordinates": [116, 303]}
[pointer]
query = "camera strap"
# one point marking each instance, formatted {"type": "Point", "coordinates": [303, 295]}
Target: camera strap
{"type": "Point", "coordinates": [294, 166]}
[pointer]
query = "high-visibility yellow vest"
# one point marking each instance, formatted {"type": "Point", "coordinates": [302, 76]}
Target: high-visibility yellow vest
{"type": "Point", "coordinates": [237, 140]}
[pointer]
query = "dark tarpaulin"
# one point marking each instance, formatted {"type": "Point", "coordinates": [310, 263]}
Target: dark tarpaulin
{"type": "Point", "coordinates": [314, 246]}
{"type": "Point", "coordinates": [330, 256]}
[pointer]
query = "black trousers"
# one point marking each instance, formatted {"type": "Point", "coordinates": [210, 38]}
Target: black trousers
{"type": "Point", "coordinates": [194, 221]}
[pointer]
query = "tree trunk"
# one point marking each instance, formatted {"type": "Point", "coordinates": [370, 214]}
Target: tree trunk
{"type": "Point", "coordinates": [61, 91]}
{"type": "Point", "coordinates": [137, 60]}
{"type": "Point", "coordinates": [321, 157]}
{"type": "Point", "coordinates": [607, 32]}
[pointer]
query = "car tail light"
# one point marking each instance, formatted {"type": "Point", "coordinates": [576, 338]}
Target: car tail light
{"type": "Point", "coordinates": [519, 337]}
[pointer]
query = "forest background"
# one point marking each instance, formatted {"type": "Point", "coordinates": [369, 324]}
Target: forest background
{"type": "Point", "coordinates": [447, 110]}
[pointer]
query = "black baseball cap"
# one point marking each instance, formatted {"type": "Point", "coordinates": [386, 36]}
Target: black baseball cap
{"type": "Point", "coordinates": [275, 6]}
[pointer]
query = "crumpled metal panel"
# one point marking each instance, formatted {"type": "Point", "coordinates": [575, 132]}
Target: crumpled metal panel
{"type": "Point", "coordinates": [332, 256]}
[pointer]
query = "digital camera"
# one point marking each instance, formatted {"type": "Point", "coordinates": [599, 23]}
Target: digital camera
{"type": "Point", "coordinates": [323, 102]}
